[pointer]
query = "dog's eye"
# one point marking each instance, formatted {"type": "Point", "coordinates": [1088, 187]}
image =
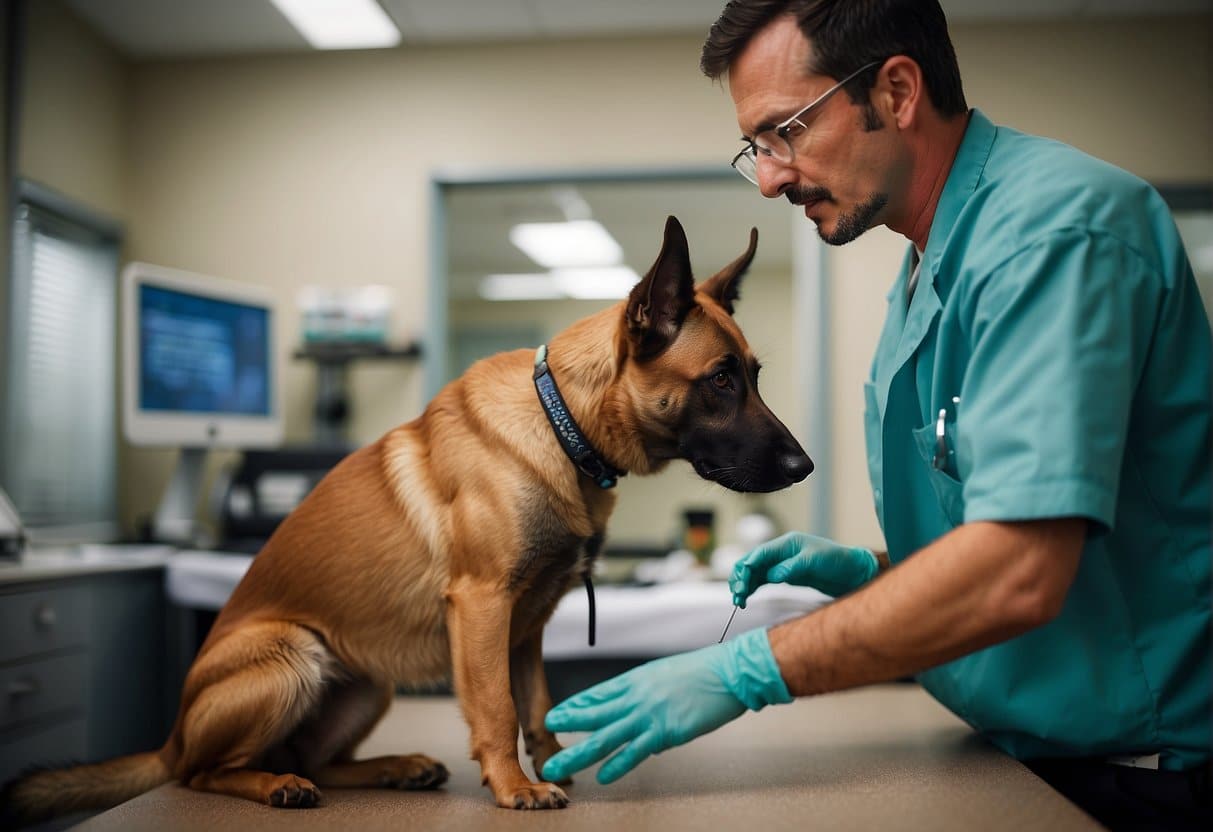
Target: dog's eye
{"type": "Point", "coordinates": [723, 380]}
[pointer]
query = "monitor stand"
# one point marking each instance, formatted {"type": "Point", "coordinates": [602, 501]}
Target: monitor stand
{"type": "Point", "coordinates": [174, 520]}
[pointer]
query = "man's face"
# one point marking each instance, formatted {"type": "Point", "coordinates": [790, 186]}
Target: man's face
{"type": "Point", "coordinates": [841, 172]}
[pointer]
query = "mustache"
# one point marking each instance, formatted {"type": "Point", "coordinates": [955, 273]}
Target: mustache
{"type": "Point", "coordinates": [802, 194]}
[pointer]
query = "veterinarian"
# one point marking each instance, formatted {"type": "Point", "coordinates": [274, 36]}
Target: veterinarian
{"type": "Point", "coordinates": [1037, 422]}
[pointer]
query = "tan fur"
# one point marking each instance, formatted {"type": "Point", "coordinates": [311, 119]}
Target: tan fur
{"type": "Point", "coordinates": [439, 551]}
{"type": "Point", "coordinates": [45, 794]}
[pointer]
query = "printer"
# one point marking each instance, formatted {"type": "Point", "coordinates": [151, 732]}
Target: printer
{"type": "Point", "coordinates": [253, 497]}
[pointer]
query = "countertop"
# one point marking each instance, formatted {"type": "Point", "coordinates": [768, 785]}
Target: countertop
{"type": "Point", "coordinates": [57, 562]}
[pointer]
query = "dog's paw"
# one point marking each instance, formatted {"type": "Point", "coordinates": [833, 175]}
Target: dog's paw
{"type": "Point", "coordinates": [413, 772]}
{"type": "Point", "coordinates": [533, 796]}
{"type": "Point", "coordinates": [291, 792]}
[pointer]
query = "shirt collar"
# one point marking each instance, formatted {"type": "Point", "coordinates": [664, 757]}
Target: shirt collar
{"type": "Point", "coordinates": [962, 181]}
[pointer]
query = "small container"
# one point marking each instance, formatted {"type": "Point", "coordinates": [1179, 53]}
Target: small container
{"type": "Point", "coordinates": [347, 314]}
{"type": "Point", "coordinates": [699, 536]}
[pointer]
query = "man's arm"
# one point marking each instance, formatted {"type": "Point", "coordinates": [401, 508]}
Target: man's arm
{"type": "Point", "coordinates": [980, 584]}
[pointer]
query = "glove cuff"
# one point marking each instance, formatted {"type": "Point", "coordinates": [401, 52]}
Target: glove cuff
{"type": "Point", "coordinates": [753, 674]}
{"type": "Point", "coordinates": [874, 565]}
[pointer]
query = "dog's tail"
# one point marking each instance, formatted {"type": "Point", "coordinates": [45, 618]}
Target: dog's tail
{"type": "Point", "coordinates": [45, 793]}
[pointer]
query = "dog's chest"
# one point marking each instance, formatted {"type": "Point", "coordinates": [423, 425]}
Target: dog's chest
{"type": "Point", "coordinates": [548, 562]}
{"type": "Point", "coordinates": [553, 560]}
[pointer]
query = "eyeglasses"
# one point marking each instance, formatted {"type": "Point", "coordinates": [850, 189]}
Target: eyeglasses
{"type": "Point", "coordinates": [776, 142]}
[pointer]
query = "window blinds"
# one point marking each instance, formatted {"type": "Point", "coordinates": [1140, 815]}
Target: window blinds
{"type": "Point", "coordinates": [60, 457]}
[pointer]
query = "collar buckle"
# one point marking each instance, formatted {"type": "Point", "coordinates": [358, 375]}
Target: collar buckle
{"type": "Point", "coordinates": [592, 466]}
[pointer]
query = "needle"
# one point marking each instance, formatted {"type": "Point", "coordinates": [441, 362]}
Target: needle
{"type": "Point", "coordinates": [726, 626]}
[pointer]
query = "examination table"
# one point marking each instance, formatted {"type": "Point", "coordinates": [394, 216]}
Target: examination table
{"type": "Point", "coordinates": [883, 757]}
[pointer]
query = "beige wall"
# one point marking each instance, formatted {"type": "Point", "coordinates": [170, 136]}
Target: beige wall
{"type": "Point", "coordinates": [314, 168]}
{"type": "Point", "coordinates": [75, 112]}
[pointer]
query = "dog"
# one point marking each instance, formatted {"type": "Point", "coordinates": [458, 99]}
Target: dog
{"type": "Point", "coordinates": [442, 549]}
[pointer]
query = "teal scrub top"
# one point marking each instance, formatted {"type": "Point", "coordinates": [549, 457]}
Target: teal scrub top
{"type": "Point", "coordinates": [1057, 327]}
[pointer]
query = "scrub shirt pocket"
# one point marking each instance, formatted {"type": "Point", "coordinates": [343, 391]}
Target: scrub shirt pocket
{"type": "Point", "coordinates": [948, 489]}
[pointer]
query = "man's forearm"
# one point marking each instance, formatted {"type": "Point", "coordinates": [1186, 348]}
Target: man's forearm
{"type": "Point", "coordinates": [981, 584]}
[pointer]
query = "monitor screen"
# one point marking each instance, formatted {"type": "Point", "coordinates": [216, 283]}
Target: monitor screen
{"type": "Point", "coordinates": [202, 355]}
{"type": "Point", "coordinates": [198, 361]}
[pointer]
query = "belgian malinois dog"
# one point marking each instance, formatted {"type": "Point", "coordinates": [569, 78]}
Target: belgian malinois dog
{"type": "Point", "coordinates": [442, 549]}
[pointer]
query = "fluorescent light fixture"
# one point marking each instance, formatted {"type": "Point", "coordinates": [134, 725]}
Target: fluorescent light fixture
{"type": "Point", "coordinates": [556, 245]}
{"type": "Point", "coordinates": [519, 287]}
{"type": "Point", "coordinates": [340, 24]}
{"type": "Point", "coordinates": [607, 283]}
{"type": "Point", "coordinates": [597, 283]}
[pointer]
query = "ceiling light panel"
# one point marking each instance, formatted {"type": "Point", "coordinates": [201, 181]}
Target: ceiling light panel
{"type": "Point", "coordinates": [340, 24]}
{"type": "Point", "coordinates": [519, 287]}
{"type": "Point", "coordinates": [600, 283]}
{"type": "Point", "coordinates": [567, 244]}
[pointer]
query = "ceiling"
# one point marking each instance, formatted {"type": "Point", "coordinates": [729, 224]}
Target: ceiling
{"type": "Point", "coordinates": [148, 29]}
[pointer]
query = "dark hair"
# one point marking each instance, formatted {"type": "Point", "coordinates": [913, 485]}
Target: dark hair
{"type": "Point", "coordinates": [845, 35]}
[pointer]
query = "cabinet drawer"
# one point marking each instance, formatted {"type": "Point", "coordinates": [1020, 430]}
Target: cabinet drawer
{"type": "Point", "coordinates": [64, 742]}
{"type": "Point", "coordinates": [32, 689]}
{"type": "Point", "coordinates": [41, 620]}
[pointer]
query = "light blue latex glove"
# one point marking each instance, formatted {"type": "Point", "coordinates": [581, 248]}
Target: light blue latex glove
{"type": "Point", "coordinates": [665, 703]}
{"type": "Point", "coordinates": [803, 560]}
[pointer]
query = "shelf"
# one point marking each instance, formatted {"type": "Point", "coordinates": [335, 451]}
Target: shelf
{"type": "Point", "coordinates": [340, 352]}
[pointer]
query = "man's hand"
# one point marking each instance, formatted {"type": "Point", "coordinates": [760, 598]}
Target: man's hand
{"type": "Point", "coordinates": [803, 560]}
{"type": "Point", "coordinates": [665, 703]}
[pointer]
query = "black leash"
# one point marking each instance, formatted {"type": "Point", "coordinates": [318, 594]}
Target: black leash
{"type": "Point", "coordinates": [589, 591]}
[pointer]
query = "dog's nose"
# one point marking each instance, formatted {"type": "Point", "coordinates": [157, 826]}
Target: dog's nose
{"type": "Point", "coordinates": [795, 466]}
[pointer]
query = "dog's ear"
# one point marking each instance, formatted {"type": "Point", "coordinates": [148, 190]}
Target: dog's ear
{"type": "Point", "coordinates": [659, 303]}
{"type": "Point", "coordinates": [724, 286]}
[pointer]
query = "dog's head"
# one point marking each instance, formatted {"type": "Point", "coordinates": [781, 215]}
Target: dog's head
{"type": "Point", "coordinates": [693, 381]}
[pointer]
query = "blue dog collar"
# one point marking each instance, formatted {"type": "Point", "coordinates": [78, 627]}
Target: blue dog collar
{"type": "Point", "coordinates": [576, 446]}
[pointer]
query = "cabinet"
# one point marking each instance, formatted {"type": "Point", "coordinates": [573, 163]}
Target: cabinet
{"type": "Point", "coordinates": [84, 668]}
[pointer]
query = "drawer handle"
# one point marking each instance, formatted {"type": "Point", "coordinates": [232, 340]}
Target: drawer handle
{"type": "Point", "coordinates": [22, 687]}
{"type": "Point", "coordinates": [45, 616]}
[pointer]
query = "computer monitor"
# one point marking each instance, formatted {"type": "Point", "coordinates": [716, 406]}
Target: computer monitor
{"type": "Point", "coordinates": [198, 373]}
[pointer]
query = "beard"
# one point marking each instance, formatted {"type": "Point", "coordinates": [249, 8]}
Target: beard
{"type": "Point", "coordinates": [851, 224]}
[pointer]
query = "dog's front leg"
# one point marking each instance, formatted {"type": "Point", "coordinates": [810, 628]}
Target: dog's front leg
{"type": "Point", "coordinates": [532, 701]}
{"type": "Point", "coordinates": [478, 622]}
